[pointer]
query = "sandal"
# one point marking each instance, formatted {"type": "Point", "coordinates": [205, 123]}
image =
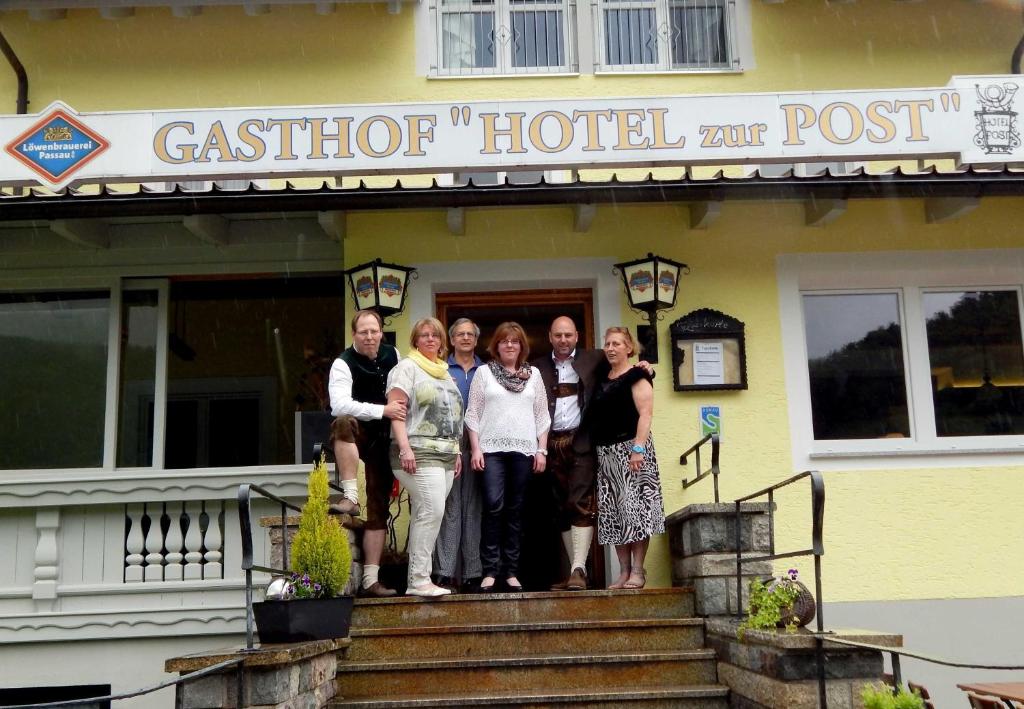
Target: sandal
{"type": "Point", "coordinates": [641, 574]}
{"type": "Point", "coordinates": [621, 582]}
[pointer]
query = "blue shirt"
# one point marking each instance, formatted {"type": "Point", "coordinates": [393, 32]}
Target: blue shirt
{"type": "Point", "coordinates": [463, 379]}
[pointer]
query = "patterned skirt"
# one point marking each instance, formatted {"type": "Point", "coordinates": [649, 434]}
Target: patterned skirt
{"type": "Point", "coordinates": [629, 504]}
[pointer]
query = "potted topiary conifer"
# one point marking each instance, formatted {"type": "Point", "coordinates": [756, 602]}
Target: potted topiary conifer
{"type": "Point", "coordinates": [310, 607]}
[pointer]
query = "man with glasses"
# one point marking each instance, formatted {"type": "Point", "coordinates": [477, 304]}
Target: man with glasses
{"type": "Point", "coordinates": [362, 430]}
{"type": "Point", "coordinates": [460, 528]}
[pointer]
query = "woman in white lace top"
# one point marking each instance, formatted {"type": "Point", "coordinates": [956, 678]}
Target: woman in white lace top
{"type": "Point", "coordinates": [508, 421]}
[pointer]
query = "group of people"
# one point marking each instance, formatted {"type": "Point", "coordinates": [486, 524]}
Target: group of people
{"type": "Point", "coordinates": [464, 437]}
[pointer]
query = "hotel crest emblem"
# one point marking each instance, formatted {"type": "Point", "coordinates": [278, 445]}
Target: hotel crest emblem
{"type": "Point", "coordinates": [997, 121]}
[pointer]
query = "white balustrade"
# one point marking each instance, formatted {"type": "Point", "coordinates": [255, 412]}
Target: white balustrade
{"type": "Point", "coordinates": [174, 542]}
{"type": "Point", "coordinates": [188, 548]}
{"type": "Point", "coordinates": [154, 543]}
{"type": "Point", "coordinates": [193, 542]}
{"type": "Point", "coordinates": [213, 541]}
{"type": "Point", "coordinates": [133, 543]}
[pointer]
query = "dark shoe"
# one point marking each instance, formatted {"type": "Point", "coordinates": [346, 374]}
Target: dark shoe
{"type": "Point", "coordinates": [561, 585]}
{"type": "Point", "coordinates": [513, 586]}
{"type": "Point", "coordinates": [378, 590]}
{"type": "Point", "coordinates": [491, 588]}
{"type": "Point", "coordinates": [577, 580]}
{"type": "Point", "coordinates": [447, 582]}
{"type": "Point", "coordinates": [471, 585]}
{"type": "Point", "coordinates": [345, 507]}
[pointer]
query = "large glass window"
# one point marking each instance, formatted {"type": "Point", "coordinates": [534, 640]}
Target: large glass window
{"type": "Point", "coordinates": [664, 34]}
{"type": "Point", "coordinates": [246, 358]}
{"type": "Point", "coordinates": [53, 374]}
{"type": "Point", "coordinates": [855, 364]}
{"type": "Point", "coordinates": [139, 319]}
{"type": "Point", "coordinates": [504, 36]}
{"type": "Point", "coordinates": [977, 362]}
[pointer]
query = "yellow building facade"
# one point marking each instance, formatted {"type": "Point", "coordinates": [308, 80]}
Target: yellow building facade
{"type": "Point", "coordinates": [923, 522]}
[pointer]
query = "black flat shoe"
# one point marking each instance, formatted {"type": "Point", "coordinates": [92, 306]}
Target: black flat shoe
{"type": "Point", "coordinates": [489, 589]}
{"type": "Point", "coordinates": [513, 587]}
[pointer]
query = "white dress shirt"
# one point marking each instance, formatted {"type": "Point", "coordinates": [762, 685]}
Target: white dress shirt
{"type": "Point", "coordinates": [567, 408]}
{"type": "Point", "coordinates": [339, 388]}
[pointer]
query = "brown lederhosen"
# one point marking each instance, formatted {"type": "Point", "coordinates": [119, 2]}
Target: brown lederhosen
{"type": "Point", "coordinates": [373, 451]}
{"type": "Point", "coordinates": [573, 476]}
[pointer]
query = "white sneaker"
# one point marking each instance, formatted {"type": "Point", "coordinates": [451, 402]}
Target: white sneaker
{"type": "Point", "coordinates": [427, 590]}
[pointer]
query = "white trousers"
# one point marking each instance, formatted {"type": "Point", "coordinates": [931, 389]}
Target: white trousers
{"type": "Point", "coordinates": [428, 489]}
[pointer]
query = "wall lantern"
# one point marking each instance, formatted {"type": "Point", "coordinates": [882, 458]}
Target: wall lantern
{"type": "Point", "coordinates": [651, 284]}
{"type": "Point", "coordinates": [709, 352]}
{"type": "Point", "coordinates": [379, 286]}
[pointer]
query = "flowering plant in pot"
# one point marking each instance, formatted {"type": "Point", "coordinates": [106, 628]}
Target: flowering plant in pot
{"type": "Point", "coordinates": [783, 602]}
{"type": "Point", "coordinates": [307, 606]}
{"type": "Point", "coordinates": [882, 696]}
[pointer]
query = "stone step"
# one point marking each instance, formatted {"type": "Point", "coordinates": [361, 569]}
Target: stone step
{"type": "Point", "coordinates": [446, 677]}
{"type": "Point", "coordinates": [656, 697]}
{"type": "Point", "coordinates": [508, 639]}
{"type": "Point", "coordinates": [471, 609]}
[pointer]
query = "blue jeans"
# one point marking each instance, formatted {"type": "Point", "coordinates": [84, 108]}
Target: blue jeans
{"type": "Point", "coordinates": [505, 479]}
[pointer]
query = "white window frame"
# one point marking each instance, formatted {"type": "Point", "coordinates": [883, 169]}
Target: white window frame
{"type": "Point", "coordinates": [911, 274]}
{"type": "Point", "coordinates": [503, 10]}
{"type": "Point", "coordinates": [664, 60]}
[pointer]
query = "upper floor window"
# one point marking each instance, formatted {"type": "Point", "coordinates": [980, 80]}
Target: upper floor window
{"type": "Point", "coordinates": [504, 36]}
{"type": "Point", "coordinates": [645, 35]}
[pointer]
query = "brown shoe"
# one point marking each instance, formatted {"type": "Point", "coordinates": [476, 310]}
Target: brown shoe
{"type": "Point", "coordinates": [378, 590]}
{"type": "Point", "coordinates": [345, 507]}
{"type": "Point", "coordinates": [560, 586]}
{"type": "Point", "coordinates": [577, 580]}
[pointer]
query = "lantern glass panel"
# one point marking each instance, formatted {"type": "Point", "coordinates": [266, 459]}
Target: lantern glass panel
{"type": "Point", "coordinates": [391, 287]}
{"type": "Point", "coordinates": [667, 281]}
{"type": "Point", "coordinates": [640, 284]}
{"type": "Point", "coordinates": [364, 288]}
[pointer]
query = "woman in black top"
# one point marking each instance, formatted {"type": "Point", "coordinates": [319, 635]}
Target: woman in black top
{"type": "Point", "coordinates": [629, 502]}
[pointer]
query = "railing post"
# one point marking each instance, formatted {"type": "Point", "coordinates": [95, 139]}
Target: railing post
{"type": "Point", "coordinates": [739, 566]}
{"type": "Point", "coordinates": [714, 463]}
{"type": "Point", "coordinates": [284, 538]}
{"type": "Point", "coordinates": [897, 674]}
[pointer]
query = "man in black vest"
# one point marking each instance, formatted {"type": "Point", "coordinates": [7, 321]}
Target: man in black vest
{"type": "Point", "coordinates": [362, 430]}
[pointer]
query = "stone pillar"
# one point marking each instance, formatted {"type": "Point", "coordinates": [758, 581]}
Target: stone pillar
{"type": "Point", "coordinates": [353, 527]}
{"type": "Point", "coordinates": [702, 539]}
{"type": "Point", "coordinates": [272, 676]}
{"type": "Point", "coordinates": [774, 669]}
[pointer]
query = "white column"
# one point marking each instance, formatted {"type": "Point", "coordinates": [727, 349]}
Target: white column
{"type": "Point", "coordinates": [154, 543]}
{"type": "Point", "coordinates": [133, 543]}
{"type": "Point", "coordinates": [44, 589]}
{"type": "Point", "coordinates": [175, 543]}
{"type": "Point", "coordinates": [193, 542]}
{"type": "Point", "coordinates": [213, 542]}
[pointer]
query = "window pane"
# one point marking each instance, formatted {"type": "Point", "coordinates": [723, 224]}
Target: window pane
{"type": "Point", "coordinates": [855, 361]}
{"type": "Point", "coordinates": [138, 377]}
{"type": "Point", "coordinates": [53, 359]}
{"type": "Point", "coordinates": [977, 363]}
{"type": "Point", "coordinates": [537, 39]}
{"type": "Point", "coordinates": [698, 34]}
{"type": "Point", "coordinates": [245, 359]}
{"type": "Point", "coordinates": [467, 40]}
{"type": "Point", "coordinates": [630, 36]}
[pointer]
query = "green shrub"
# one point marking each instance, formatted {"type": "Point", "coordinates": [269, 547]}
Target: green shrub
{"type": "Point", "coordinates": [768, 601]}
{"type": "Point", "coordinates": [321, 557]}
{"type": "Point", "coordinates": [880, 696]}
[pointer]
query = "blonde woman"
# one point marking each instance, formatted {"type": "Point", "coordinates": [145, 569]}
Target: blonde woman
{"type": "Point", "coordinates": [425, 455]}
{"type": "Point", "coordinates": [629, 502]}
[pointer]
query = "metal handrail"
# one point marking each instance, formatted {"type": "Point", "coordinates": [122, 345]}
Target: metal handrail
{"type": "Point", "coordinates": [817, 549]}
{"type": "Point", "coordinates": [147, 690]}
{"type": "Point", "coordinates": [713, 470]}
{"type": "Point", "coordinates": [245, 491]}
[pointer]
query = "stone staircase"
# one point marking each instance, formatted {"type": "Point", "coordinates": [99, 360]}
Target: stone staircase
{"type": "Point", "coordinates": [568, 649]}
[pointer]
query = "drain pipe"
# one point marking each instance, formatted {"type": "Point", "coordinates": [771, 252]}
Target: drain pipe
{"type": "Point", "coordinates": [19, 71]}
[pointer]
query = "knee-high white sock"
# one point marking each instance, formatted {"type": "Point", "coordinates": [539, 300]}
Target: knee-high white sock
{"type": "Point", "coordinates": [350, 490]}
{"type": "Point", "coordinates": [370, 572]}
{"type": "Point", "coordinates": [567, 543]}
{"type": "Point", "coordinates": [581, 538]}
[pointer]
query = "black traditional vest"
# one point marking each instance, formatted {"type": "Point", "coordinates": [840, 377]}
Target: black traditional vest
{"type": "Point", "coordinates": [369, 380]}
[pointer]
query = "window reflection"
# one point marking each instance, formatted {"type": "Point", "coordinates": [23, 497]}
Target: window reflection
{"type": "Point", "coordinates": [53, 355]}
{"type": "Point", "coordinates": [244, 356]}
{"type": "Point", "coordinates": [977, 362]}
{"type": "Point", "coordinates": [855, 362]}
{"type": "Point", "coordinates": [138, 377]}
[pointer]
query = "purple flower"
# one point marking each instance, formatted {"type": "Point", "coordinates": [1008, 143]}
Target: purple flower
{"type": "Point", "coordinates": [792, 574]}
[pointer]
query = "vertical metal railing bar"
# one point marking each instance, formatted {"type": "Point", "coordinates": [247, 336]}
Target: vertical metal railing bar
{"type": "Point", "coordinates": [713, 470]}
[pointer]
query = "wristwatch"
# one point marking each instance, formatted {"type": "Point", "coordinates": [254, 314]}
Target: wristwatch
{"type": "Point", "coordinates": [638, 448]}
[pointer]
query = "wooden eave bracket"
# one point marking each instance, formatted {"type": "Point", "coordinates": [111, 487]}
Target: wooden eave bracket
{"type": "Point", "coordinates": [456, 218]}
{"type": "Point", "coordinates": [85, 232]}
{"type": "Point", "coordinates": [704, 214]}
{"type": "Point", "coordinates": [334, 224]}
{"type": "Point", "coordinates": [583, 216]}
{"type": "Point", "coordinates": [822, 211]}
{"type": "Point", "coordinates": [947, 209]}
{"type": "Point", "coordinates": [210, 228]}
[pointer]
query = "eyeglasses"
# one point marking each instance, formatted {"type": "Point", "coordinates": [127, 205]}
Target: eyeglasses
{"type": "Point", "coordinates": [465, 334]}
{"type": "Point", "coordinates": [508, 342]}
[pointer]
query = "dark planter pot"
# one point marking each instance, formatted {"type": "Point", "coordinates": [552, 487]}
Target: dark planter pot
{"type": "Point", "coordinates": [303, 619]}
{"type": "Point", "coordinates": [803, 609]}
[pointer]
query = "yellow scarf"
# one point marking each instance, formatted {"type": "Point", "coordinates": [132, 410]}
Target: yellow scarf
{"type": "Point", "coordinates": [438, 369]}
